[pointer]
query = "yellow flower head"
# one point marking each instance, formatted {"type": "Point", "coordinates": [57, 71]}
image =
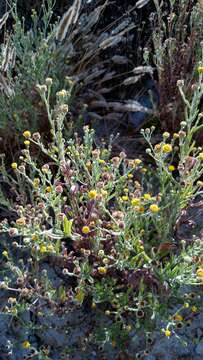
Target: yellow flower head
{"type": "Point", "coordinates": [147, 196]}
{"type": "Point", "coordinates": [200, 156]}
{"type": "Point", "coordinates": [194, 309]}
{"type": "Point", "coordinates": [200, 69]}
{"type": "Point", "coordinates": [48, 189]}
{"type": "Point", "coordinates": [27, 134]}
{"type": "Point", "coordinates": [125, 198]}
{"type": "Point", "coordinates": [137, 162]}
{"type": "Point", "coordinates": [102, 270]}
{"type": "Point", "coordinates": [167, 333]}
{"type": "Point", "coordinates": [171, 168]}
{"type": "Point", "coordinates": [5, 253]}
{"type": "Point", "coordinates": [85, 229]}
{"type": "Point", "coordinates": [178, 317]}
{"type": "Point", "coordinates": [135, 201]}
{"type": "Point", "coordinates": [21, 221]}
{"type": "Point", "coordinates": [42, 249]}
{"type": "Point", "coordinates": [154, 208]}
{"type": "Point", "coordinates": [26, 344]}
{"type": "Point", "coordinates": [167, 148]}
{"type": "Point", "coordinates": [14, 166]}
{"type": "Point", "coordinates": [92, 194]}
{"type": "Point", "coordinates": [26, 142]}
{"type": "Point", "coordinates": [200, 272]}
{"type": "Point", "coordinates": [36, 183]}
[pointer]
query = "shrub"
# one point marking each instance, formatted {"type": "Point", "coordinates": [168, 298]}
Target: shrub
{"type": "Point", "coordinates": [103, 221]}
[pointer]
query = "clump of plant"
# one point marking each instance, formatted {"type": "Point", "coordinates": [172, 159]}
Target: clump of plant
{"type": "Point", "coordinates": [102, 222]}
{"type": "Point", "coordinates": [176, 37]}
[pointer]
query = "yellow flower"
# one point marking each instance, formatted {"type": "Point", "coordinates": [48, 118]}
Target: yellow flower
{"type": "Point", "coordinates": [27, 134]}
{"type": "Point", "coordinates": [167, 333]}
{"type": "Point", "coordinates": [85, 229]}
{"type": "Point", "coordinates": [21, 221]}
{"type": "Point", "coordinates": [92, 194]}
{"type": "Point", "coordinates": [89, 165]}
{"type": "Point", "coordinates": [126, 190]}
{"type": "Point", "coordinates": [137, 162]}
{"type": "Point", "coordinates": [130, 176]}
{"type": "Point", "coordinates": [200, 69]}
{"type": "Point", "coordinates": [5, 253]}
{"type": "Point", "coordinates": [200, 156]}
{"type": "Point", "coordinates": [50, 248]}
{"type": "Point", "coordinates": [154, 208]}
{"type": "Point", "coordinates": [34, 237]}
{"type": "Point", "coordinates": [26, 344]}
{"type": "Point", "coordinates": [194, 309]}
{"type": "Point", "coordinates": [27, 142]}
{"type": "Point", "coordinates": [104, 192]}
{"type": "Point", "coordinates": [167, 148]}
{"type": "Point", "coordinates": [171, 168]}
{"type": "Point", "coordinates": [135, 201]}
{"type": "Point", "coordinates": [147, 196]}
{"type": "Point", "coordinates": [175, 136]}
{"type": "Point", "coordinates": [101, 161]}
{"type": "Point", "coordinates": [36, 183]}
{"type": "Point", "coordinates": [125, 198]}
{"type": "Point", "coordinates": [141, 209]}
{"type": "Point", "coordinates": [102, 270]}
{"type": "Point", "coordinates": [200, 272]}
{"type": "Point", "coordinates": [186, 305]}
{"type": "Point", "coordinates": [48, 189]}
{"type": "Point", "coordinates": [143, 170]}
{"type": "Point", "coordinates": [42, 249]}
{"type": "Point", "coordinates": [178, 317]}
{"type": "Point", "coordinates": [14, 166]}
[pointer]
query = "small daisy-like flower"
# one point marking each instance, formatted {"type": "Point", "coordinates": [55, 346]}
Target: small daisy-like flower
{"type": "Point", "coordinates": [167, 148]}
{"type": "Point", "coordinates": [137, 162]}
{"type": "Point", "coordinates": [5, 253]}
{"type": "Point", "coordinates": [48, 189]}
{"type": "Point", "coordinates": [102, 270]}
{"type": "Point", "coordinates": [200, 156]}
{"type": "Point", "coordinates": [199, 272]}
{"type": "Point", "coordinates": [125, 198]}
{"type": "Point", "coordinates": [26, 344]}
{"type": "Point", "coordinates": [178, 317]}
{"type": "Point", "coordinates": [171, 168]}
{"type": "Point", "coordinates": [92, 194]}
{"type": "Point", "coordinates": [26, 142]}
{"type": "Point", "coordinates": [154, 208]}
{"type": "Point", "coordinates": [42, 249]}
{"type": "Point", "coordinates": [186, 305]}
{"type": "Point", "coordinates": [167, 332]}
{"type": "Point", "coordinates": [194, 309]}
{"type": "Point", "coordinates": [85, 229]}
{"type": "Point", "coordinates": [200, 69]}
{"type": "Point", "coordinates": [147, 196]}
{"type": "Point", "coordinates": [21, 221]}
{"type": "Point", "coordinates": [27, 134]}
{"type": "Point", "coordinates": [135, 201]}
{"type": "Point", "coordinates": [14, 165]}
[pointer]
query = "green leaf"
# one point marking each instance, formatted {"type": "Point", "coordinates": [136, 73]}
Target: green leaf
{"type": "Point", "coordinates": [67, 226]}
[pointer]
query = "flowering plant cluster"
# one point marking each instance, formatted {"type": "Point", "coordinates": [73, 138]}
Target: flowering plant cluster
{"type": "Point", "coordinates": [102, 222]}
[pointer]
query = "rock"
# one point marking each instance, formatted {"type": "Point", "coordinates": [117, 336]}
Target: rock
{"type": "Point", "coordinates": [199, 348]}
